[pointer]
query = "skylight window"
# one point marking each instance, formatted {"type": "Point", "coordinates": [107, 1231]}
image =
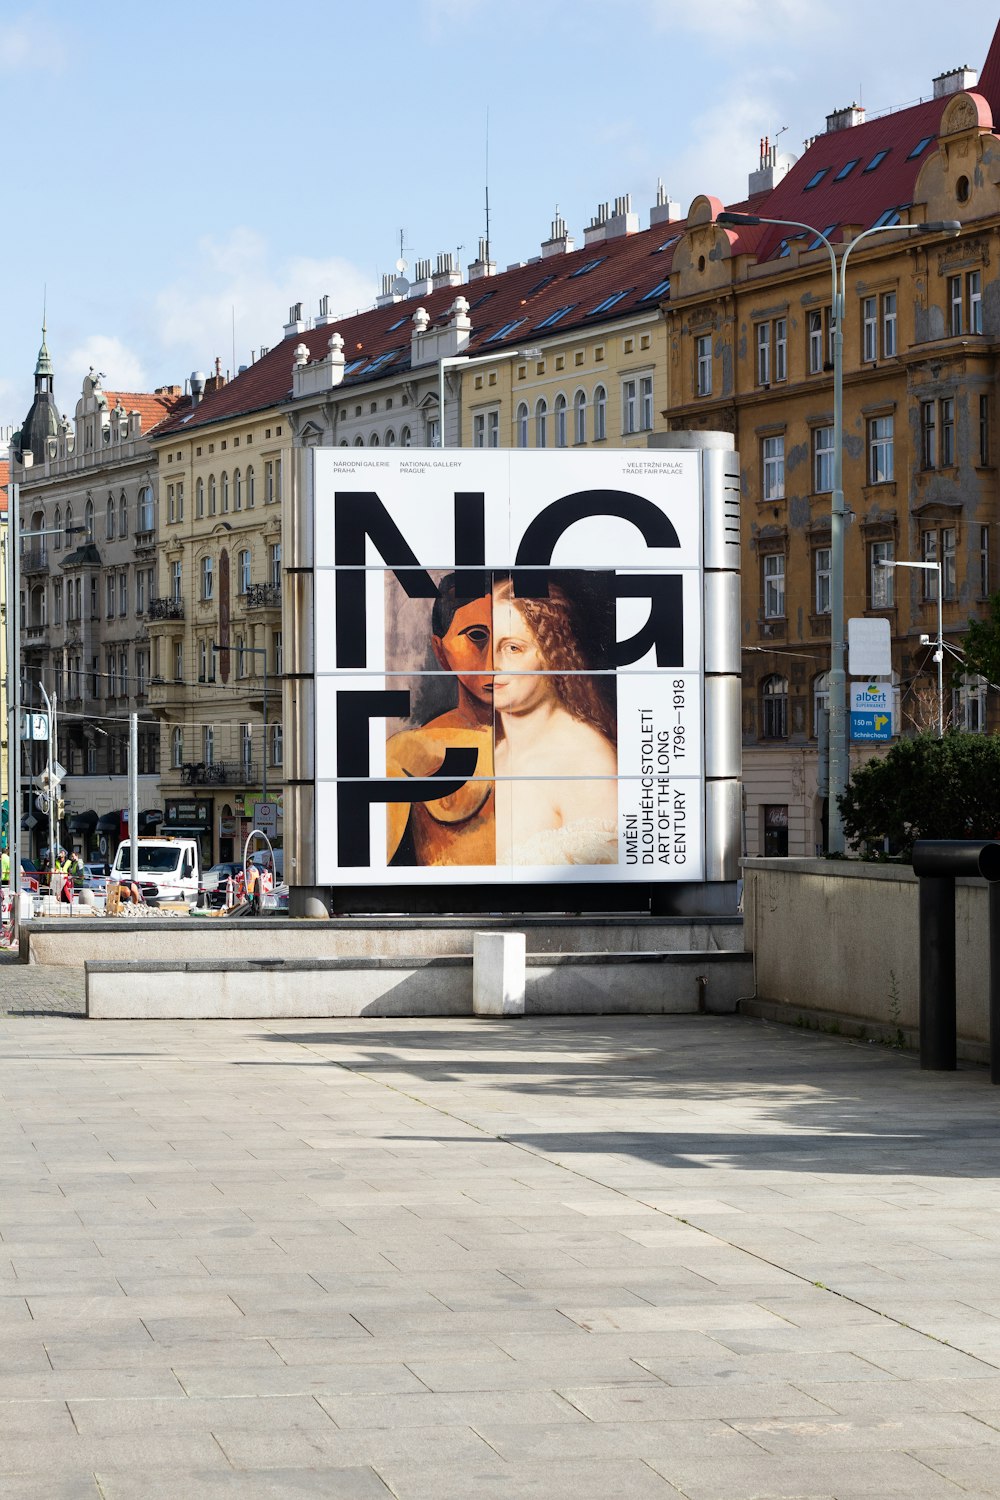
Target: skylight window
{"type": "Point", "coordinates": [847, 169]}
{"type": "Point", "coordinates": [590, 265]}
{"type": "Point", "coordinates": [877, 159]}
{"type": "Point", "coordinates": [889, 219]}
{"type": "Point", "coordinates": [355, 364]}
{"type": "Point", "coordinates": [920, 146]}
{"type": "Point", "coordinates": [554, 317]}
{"type": "Point", "coordinates": [505, 329]}
{"type": "Point", "coordinates": [659, 290]}
{"type": "Point", "coordinates": [814, 244]}
{"type": "Point", "coordinates": [537, 288]}
{"type": "Point", "coordinates": [484, 298]}
{"type": "Point", "coordinates": [816, 178]}
{"type": "Point", "coordinates": [609, 301]}
{"type": "Point", "coordinates": [667, 243]}
{"type": "Point", "coordinates": [383, 359]}
{"type": "Point", "coordinates": [398, 324]}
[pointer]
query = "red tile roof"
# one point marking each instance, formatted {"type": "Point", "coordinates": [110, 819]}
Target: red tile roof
{"type": "Point", "coordinates": [152, 408]}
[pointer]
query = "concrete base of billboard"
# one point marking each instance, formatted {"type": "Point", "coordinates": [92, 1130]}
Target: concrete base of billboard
{"type": "Point", "coordinates": [555, 984]}
{"type": "Point", "coordinates": [73, 940]}
{"type": "Point", "coordinates": [498, 977]}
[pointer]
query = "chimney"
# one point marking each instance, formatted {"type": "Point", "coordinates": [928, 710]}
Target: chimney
{"type": "Point", "coordinates": [664, 210]}
{"type": "Point", "coordinates": [167, 390]}
{"type": "Point", "coordinates": [325, 315]}
{"type": "Point", "coordinates": [482, 265]}
{"type": "Point", "coordinates": [388, 296]}
{"type": "Point", "coordinates": [623, 220]}
{"type": "Point", "coordinates": [446, 274]}
{"type": "Point", "coordinates": [197, 386]}
{"type": "Point", "coordinates": [295, 322]}
{"type": "Point", "coordinates": [558, 242]}
{"type": "Point", "coordinates": [596, 230]}
{"type": "Point", "coordinates": [845, 119]}
{"type": "Point", "coordinates": [955, 82]}
{"type": "Point", "coordinates": [422, 285]}
{"type": "Point", "coordinates": [771, 170]}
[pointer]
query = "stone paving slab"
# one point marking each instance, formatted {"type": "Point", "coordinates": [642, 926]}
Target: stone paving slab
{"type": "Point", "coordinates": [697, 1257]}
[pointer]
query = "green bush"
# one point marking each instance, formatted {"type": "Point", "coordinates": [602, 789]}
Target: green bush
{"type": "Point", "coordinates": [925, 788]}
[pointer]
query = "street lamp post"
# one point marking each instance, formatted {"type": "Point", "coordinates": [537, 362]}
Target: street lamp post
{"type": "Point", "coordinates": [455, 361]}
{"type": "Point", "coordinates": [932, 567]}
{"type": "Point", "coordinates": [839, 756]}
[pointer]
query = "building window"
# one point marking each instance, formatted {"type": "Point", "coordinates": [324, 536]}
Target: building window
{"type": "Point", "coordinates": [109, 519]}
{"type": "Point", "coordinates": [243, 570]}
{"type": "Point", "coordinates": [880, 450]}
{"type": "Point", "coordinates": [144, 508]}
{"type": "Point", "coordinates": [123, 673]}
{"type": "Point", "coordinates": [774, 585]}
{"type": "Point", "coordinates": [881, 585]}
{"type": "Point", "coordinates": [109, 595]}
{"type": "Point", "coordinates": [821, 574]}
{"type": "Point", "coordinates": [176, 573]}
{"type": "Point", "coordinates": [560, 414]}
{"type": "Point", "coordinates": [580, 417]}
{"type": "Point", "coordinates": [954, 305]}
{"type": "Point", "coordinates": [947, 432]}
{"type": "Point", "coordinates": [928, 434]}
{"type": "Point", "coordinates": [889, 345]}
{"type": "Point", "coordinates": [177, 749]}
{"type": "Point", "coordinates": [600, 414]}
{"type": "Point", "coordinates": [276, 564]}
{"type": "Point", "coordinates": [88, 520]}
{"type": "Point", "coordinates": [140, 591]}
{"type": "Point", "coordinates": [630, 406]}
{"type": "Point", "coordinates": [199, 498]}
{"type": "Point", "coordinates": [251, 487]}
{"type": "Point", "coordinates": [479, 430]}
{"type": "Point", "coordinates": [208, 745]}
{"type": "Point", "coordinates": [821, 702]}
{"type": "Point", "coordinates": [203, 661]}
{"type": "Point", "coordinates": [974, 297]}
{"type": "Point", "coordinates": [57, 601]}
{"type": "Point", "coordinates": [646, 403]}
{"type": "Point", "coordinates": [521, 426]}
{"type": "Point", "coordinates": [703, 365]}
{"type": "Point", "coordinates": [869, 330]}
{"type": "Point", "coordinates": [822, 460]}
{"type": "Point", "coordinates": [122, 592]}
{"type": "Point", "coordinates": [237, 490]}
{"type": "Point", "coordinates": [773, 464]}
{"type": "Point", "coordinates": [929, 554]}
{"type": "Point", "coordinates": [968, 705]}
{"type": "Point", "coordinates": [278, 666]}
{"type": "Point", "coordinates": [774, 708]}
{"type": "Point", "coordinates": [405, 438]}
{"type": "Point", "coordinates": [984, 562]}
{"type": "Point", "coordinates": [178, 661]}
{"type": "Point", "coordinates": [207, 578]}
{"type": "Point", "coordinates": [111, 674]}
{"type": "Point", "coordinates": [819, 340]}
{"type": "Point", "coordinates": [541, 422]}
{"type": "Point", "coordinates": [180, 502]}
{"type": "Point", "coordinates": [123, 515]}
{"type": "Point", "coordinates": [949, 588]}
{"type": "Point", "coordinates": [985, 444]}
{"type": "Point", "coordinates": [212, 495]}
{"type": "Point", "coordinates": [246, 747]}
{"type": "Point", "coordinates": [277, 748]}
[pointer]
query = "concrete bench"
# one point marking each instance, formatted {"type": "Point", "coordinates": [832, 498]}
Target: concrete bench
{"type": "Point", "coordinates": [555, 984]}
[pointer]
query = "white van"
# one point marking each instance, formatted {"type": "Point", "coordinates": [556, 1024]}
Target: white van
{"type": "Point", "coordinates": [171, 866]}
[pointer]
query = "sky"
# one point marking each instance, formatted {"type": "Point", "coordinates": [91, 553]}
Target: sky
{"type": "Point", "coordinates": [177, 176]}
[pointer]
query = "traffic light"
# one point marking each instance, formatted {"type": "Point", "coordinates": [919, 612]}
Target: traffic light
{"type": "Point", "coordinates": [60, 808]}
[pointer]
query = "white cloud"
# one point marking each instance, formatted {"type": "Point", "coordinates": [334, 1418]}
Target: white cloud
{"type": "Point", "coordinates": [29, 44]}
{"type": "Point", "coordinates": [193, 317]}
{"type": "Point", "coordinates": [122, 369]}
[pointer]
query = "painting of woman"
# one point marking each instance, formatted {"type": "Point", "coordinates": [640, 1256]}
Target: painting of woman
{"type": "Point", "coordinates": [555, 756]}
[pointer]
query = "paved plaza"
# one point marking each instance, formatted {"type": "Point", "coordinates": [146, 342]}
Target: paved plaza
{"type": "Point", "coordinates": [470, 1260]}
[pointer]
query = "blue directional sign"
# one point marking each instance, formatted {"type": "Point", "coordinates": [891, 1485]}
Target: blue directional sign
{"type": "Point", "coordinates": [871, 711]}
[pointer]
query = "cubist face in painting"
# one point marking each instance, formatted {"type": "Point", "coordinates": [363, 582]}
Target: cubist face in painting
{"type": "Point", "coordinates": [466, 647]}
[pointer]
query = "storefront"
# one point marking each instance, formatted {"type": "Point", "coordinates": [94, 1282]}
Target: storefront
{"type": "Point", "coordinates": [190, 817]}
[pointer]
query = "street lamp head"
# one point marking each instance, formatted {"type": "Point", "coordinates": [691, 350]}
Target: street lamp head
{"type": "Point", "coordinates": [941, 226]}
{"type": "Point", "coordinates": [735, 220]}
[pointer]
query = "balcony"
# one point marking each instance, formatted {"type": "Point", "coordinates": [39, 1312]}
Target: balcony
{"type": "Point", "coordinates": [166, 609]}
{"type": "Point", "coordinates": [262, 596]}
{"type": "Point", "coordinates": [165, 695]}
{"type": "Point", "coordinates": [34, 560]}
{"type": "Point", "coordinates": [221, 773]}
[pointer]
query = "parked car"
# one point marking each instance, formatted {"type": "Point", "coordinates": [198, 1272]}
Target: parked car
{"type": "Point", "coordinates": [95, 877]}
{"type": "Point", "coordinates": [215, 878]}
{"type": "Point", "coordinates": [31, 875]}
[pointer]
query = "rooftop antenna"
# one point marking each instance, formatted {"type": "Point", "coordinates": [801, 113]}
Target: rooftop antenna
{"type": "Point", "coordinates": [234, 335]}
{"type": "Point", "coordinates": [400, 285]}
{"type": "Point", "coordinates": [487, 184]}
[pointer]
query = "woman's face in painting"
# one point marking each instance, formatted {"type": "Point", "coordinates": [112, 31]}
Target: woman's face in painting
{"type": "Point", "coordinates": [515, 650]}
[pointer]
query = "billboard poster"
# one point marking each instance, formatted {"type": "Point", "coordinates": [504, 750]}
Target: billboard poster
{"type": "Point", "coordinates": [508, 666]}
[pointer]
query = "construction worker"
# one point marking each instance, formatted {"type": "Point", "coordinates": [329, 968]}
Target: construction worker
{"type": "Point", "coordinates": [5, 867]}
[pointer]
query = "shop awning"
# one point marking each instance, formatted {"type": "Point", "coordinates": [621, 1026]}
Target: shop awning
{"type": "Point", "coordinates": [150, 820]}
{"type": "Point", "coordinates": [84, 822]}
{"type": "Point", "coordinates": [109, 823]}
